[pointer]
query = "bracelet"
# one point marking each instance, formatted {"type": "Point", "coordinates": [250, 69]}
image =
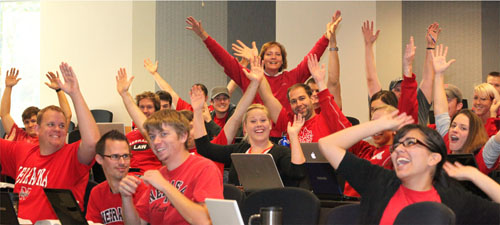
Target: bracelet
{"type": "Point", "coordinates": [334, 49]}
{"type": "Point", "coordinates": [430, 48]}
{"type": "Point", "coordinates": [58, 90]}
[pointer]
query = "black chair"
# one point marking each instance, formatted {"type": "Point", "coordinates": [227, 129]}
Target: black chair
{"type": "Point", "coordinates": [71, 126]}
{"type": "Point", "coordinates": [345, 214]}
{"type": "Point", "coordinates": [74, 136]}
{"type": "Point", "coordinates": [102, 115]}
{"type": "Point", "coordinates": [234, 193]}
{"type": "Point", "coordinates": [299, 205]}
{"type": "Point", "coordinates": [353, 120]}
{"type": "Point", "coordinates": [91, 184]}
{"type": "Point", "coordinates": [426, 213]}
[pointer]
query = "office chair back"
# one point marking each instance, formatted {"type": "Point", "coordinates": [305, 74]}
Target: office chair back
{"type": "Point", "coordinates": [426, 213]}
{"type": "Point", "coordinates": [344, 214]}
{"type": "Point", "coordinates": [102, 115]}
{"type": "Point", "coordinates": [234, 193]}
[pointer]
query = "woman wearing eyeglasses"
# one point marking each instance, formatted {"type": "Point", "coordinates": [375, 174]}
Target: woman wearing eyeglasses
{"type": "Point", "coordinates": [418, 154]}
{"type": "Point", "coordinates": [465, 132]}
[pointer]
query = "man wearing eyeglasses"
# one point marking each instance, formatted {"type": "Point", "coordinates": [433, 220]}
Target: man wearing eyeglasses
{"type": "Point", "coordinates": [105, 203]}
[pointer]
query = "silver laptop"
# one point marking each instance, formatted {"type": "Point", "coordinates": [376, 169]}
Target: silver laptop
{"type": "Point", "coordinates": [256, 171]}
{"type": "Point", "coordinates": [224, 212]}
{"type": "Point", "coordinates": [312, 153]}
{"type": "Point", "coordinates": [106, 127]}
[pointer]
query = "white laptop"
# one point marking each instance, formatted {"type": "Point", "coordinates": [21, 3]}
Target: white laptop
{"type": "Point", "coordinates": [224, 212]}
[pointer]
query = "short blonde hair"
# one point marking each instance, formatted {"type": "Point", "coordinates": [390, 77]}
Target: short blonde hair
{"type": "Point", "coordinates": [487, 89]}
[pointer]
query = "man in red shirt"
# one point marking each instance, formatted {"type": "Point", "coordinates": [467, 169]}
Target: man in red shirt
{"type": "Point", "coordinates": [105, 203]}
{"type": "Point", "coordinates": [29, 133]}
{"type": "Point", "coordinates": [52, 163]}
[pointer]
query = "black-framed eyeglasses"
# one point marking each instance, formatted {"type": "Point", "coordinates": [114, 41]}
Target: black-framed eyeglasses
{"type": "Point", "coordinates": [116, 157]}
{"type": "Point", "coordinates": [408, 142]}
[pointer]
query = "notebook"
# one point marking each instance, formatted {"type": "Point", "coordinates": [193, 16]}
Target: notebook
{"type": "Point", "coordinates": [256, 171]}
{"type": "Point", "coordinates": [64, 204]}
{"type": "Point", "coordinates": [223, 212]}
{"type": "Point", "coordinates": [312, 153]}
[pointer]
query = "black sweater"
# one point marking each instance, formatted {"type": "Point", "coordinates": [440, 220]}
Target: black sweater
{"type": "Point", "coordinates": [290, 173]}
{"type": "Point", "coordinates": [377, 185]}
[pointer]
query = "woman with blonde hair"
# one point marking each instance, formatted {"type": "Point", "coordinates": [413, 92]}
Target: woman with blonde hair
{"type": "Point", "coordinates": [485, 104]}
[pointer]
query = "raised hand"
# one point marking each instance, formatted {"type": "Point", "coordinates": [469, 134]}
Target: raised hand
{"type": "Point", "coordinates": [197, 98]}
{"type": "Point", "coordinates": [70, 85]}
{"type": "Point", "coordinates": [53, 80]}
{"type": "Point", "coordinates": [439, 59]}
{"type": "Point", "coordinates": [257, 69]}
{"type": "Point", "coordinates": [332, 26]}
{"type": "Point", "coordinates": [432, 35]}
{"type": "Point", "coordinates": [244, 51]}
{"type": "Point", "coordinates": [393, 121]}
{"type": "Point", "coordinates": [317, 71]}
{"type": "Point", "coordinates": [494, 108]}
{"type": "Point", "coordinates": [122, 83]}
{"type": "Point", "coordinates": [150, 66]}
{"type": "Point", "coordinates": [408, 58]}
{"type": "Point", "coordinates": [11, 77]}
{"type": "Point", "coordinates": [298, 122]}
{"type": "Point", "coordinates": [128, 185]}
{"type": "Point", "coordinates": [196, 27]}
{"type": "Point", "coordinates": [367, 30]}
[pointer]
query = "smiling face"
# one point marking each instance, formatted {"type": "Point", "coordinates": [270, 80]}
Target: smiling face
{"type": "Point", "coordinates": [52, 129]}
{"type": "Point", "coordinates": [301, 103]}
{"type": "Point", "coordinates": [414, 163]}
{"type": "Point", "coordinates": [482, 103]}
{"type": "Point", "coordinates": [166, 143]}
{"type": "Point", "coordinates": [30, 126]}
{"type": "Point", "coordinates": [221, 103]}
{"type": "Point", "coordinates": [257, 125]}
{"type": "Point", "coordinates": [114, 169]}
{"type": "Point", "coordinates": [459, 130]}
{"type": "Point", "coordinates": [272, 59]}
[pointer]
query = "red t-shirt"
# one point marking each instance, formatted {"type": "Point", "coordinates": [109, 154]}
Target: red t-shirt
{"type": "Point", "coordinates": [142, 155]}
{"type": "Point", "coordinates": [377, 156]}
{"type": "Point", "coordinates": [197, 178]}
{"type": "Point", "coordinates": [221, 121]}
{"type": "Point", "coordinates": [105, 207]}
{"type": "Point", "coordinates": [330, 120]}
{"type": "Point", "coordinates": [34, 172]}
{"type": "Point", "coordinates": [404, 197]}
{"type": "Point", "coordinates": [279, 83]}
{"type": "Point", "coordinates": [21, 135]}
{"type": "Point", "coordinates": [183, 105]}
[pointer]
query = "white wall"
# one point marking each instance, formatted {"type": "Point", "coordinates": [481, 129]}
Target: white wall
{"type": "Point", "coordinates": [300, 24]}
{"type": "Point", "coordinates": [96, 39]}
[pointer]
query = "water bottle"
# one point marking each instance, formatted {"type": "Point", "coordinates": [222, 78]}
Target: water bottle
{"type": "Point", "coordinates": [284, 141]}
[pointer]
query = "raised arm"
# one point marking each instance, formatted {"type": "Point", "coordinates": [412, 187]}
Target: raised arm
{"type": "Point", "coordinates": [408, 101]}
{"type": "Point", "coordinates": [371, 70]}
{"type": "Point", "coordinates": [245, 52]}
{"type": "Point", "coordinates": [431, 38]}
{"type": "Point", "coordinates": [122, 86]}
{"type": "Point", "coordinates": [333, 83]}
{"type": "Point", "coordinates": [334, 146]}
{"type": "Point", "coordinates": [481, 180]}
{"type": "Point", "coordinates": [440, 65]}
{"type": "Point", "coordinates": [293, 133]}
{"type": "Point", "coordinates": [10, 81]}
{"type": "Point", "coordinates": [317, 71]}
{"type": "Point", "coordinates": [197, 102]}
{"type": "Point", "coordinates": [63, 101]}
{"type": "Point", "coordinates": [163, 84]}
{"type": "Point", "coordinates": [87, 126]}
{"type": "Point", "coordinates": [272, 104]}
